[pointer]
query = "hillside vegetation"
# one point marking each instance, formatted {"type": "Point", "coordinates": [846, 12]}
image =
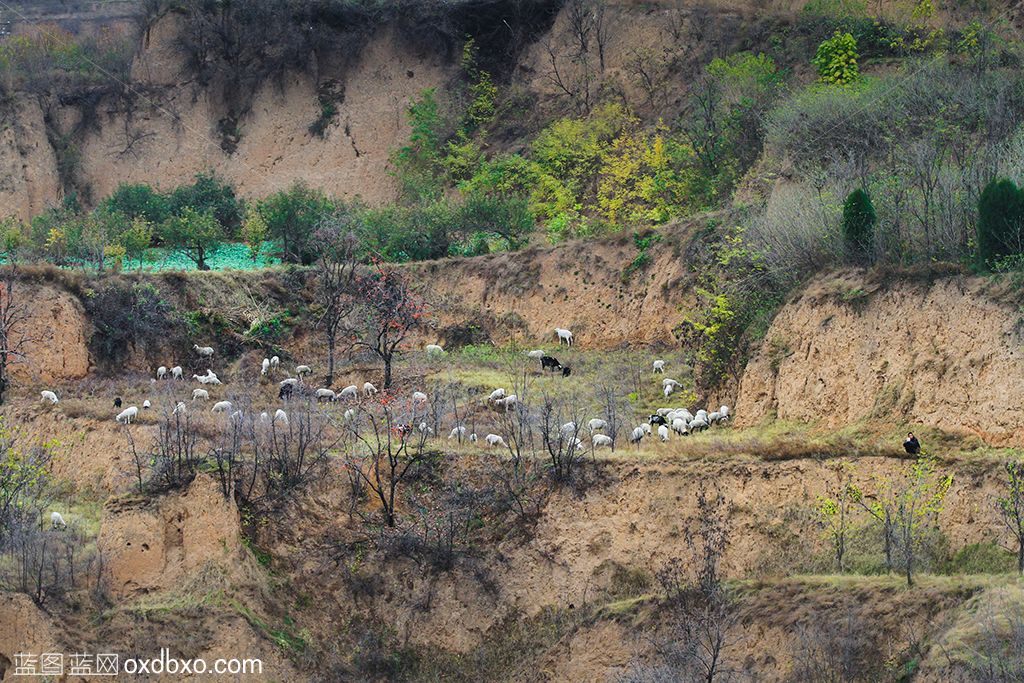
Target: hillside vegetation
{"type": "Point", "coordinates": [285, 308]}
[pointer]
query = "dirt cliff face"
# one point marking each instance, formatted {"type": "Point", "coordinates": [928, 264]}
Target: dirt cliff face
{"type": "Point", "coordinates": [945, 353]}
{"type": "Point", "coordinates": [579, 286]}
{"type": "Point", "coordinates": [169, 131]}
{"type": "Point", "coordinates": [57, 331]}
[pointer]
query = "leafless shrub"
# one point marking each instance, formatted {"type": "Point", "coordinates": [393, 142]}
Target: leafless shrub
{"type": "Point", "coordinates": [837, 650]}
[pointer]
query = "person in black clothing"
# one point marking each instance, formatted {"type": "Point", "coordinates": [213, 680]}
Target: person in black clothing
{"type": "Point", "coordinates": [912, 445]}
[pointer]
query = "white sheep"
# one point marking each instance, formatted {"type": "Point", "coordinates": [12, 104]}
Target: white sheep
{"type": "Point", "coordinates": [568, 429]}
{"type": "Point", "coordinates": [161, 372]}
{"type": "Point", "coordinates": [725, 412]}
{"type": "Point", "coordinates": [369, 389]}
{"type": "Point", "coordinates": [458, 432]}
{"type": "Point", "coordinates": [419, 397]}
{"type": "Point", "coordinates": [679, 426]}
{"type": "Point", "coordinates": [659, 366]}
{"type": "Point", "coordinates": [57, 521]}
{"type": "Point", "coordinates": [668, 381]}
{"type": "Point", "coordinates": [714, 417]}
{"type": "Point", "coordinates": [206, 379]}
{"type": "Point", "coordinates": [221, 407]}
{"type": "Point", "coordinates": [434, 350]}
{"type": "Point", "coordinates": [637, 435]}
{"type": "Point", "coordinates": [146, 405]}
{"type": "Point", "coordinates": [264, 366]}
{"type": "Point", "coordinates": [646, 426]}
{"type": "Point", "coordinates": [351, 391]}
{"type": "Point", "coordinates": [127, 415]}
{"type": "Point", "coordinates": [200, 394]}
{"type": "Point", "coordinates": [667, 390]}
{"type": "Point", "coordinates": [236, 416]}
{"type": "Point", "coordinates": [601, 440]}
{"type": "Point", "coordinates": [323, 395]}
{"type": "Point", "coordinates": [301, 370]}
{"type": "Point", "coordinates": [281, 416]}
{"type": "Point", "coordinates": [275, 362]}
{"type": "Point", "coordinates": [291, 381]}
{"type": "Point", "coordinates": [350, 415]}
{"type": "Point", "coordinates": [596, 424]}
{"type": "Point", "coordinates": [180, 408]}
{"type": "Point", "coordinates": [425, 429]}
{"type": "Point", "coordinates": [496, 395]}
{"type": "Point", "coordinates": [495, 440]}
{"type": "Point", "coordinates": [698, 424]}
{"type": "Point", "coordinates": [509, 402]}
{"type": "Point", "coordinates": [563, 334]}
{"type": "Point", "coordinates": [49, 397]}
{"type": "Point", "coordinates": [472, 438]}
{"type": "Point", "coordinates": [265, 417]}
{"type": "Point", "coordinates": [663, 433]}
{"type": "Point", "coordinates": [536, 354]}
{"type": "Point", "coordinates": [203, 350]}
{"type": "Point", "coordinates": [177, 373]}
{"type": "Point", "coordinates": [702, 415]}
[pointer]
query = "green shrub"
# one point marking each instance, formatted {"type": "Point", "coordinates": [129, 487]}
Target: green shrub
{"type": "Point", "coordinates": [1000, 229]}
{"type": "Point", "coordinates": [836, 59]}
{"type": "Point", "coordinates": [209, 194]}
{"type": "Point", "coordinates": [981, 558]}
{"type": "Point", "coordinates": [292, 216]}
{"type": "Point", "coordinates": [138, 200]}
{"type": "Point", "coordinates": [859, 223]}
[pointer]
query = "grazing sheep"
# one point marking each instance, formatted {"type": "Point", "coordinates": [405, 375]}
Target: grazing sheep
{"type": "Point", "coordinates": [203, 350]}
{"type": "Point", "coordinates": [117, 401]}
{"type": "Point", "coordinates": [202, 394]}
{"type": "Point", "coordinates": [566, 371]}
{"type": "Point", "coordinates": [285, 392]}
{"type": "Point", "coordinates": [369, 389]}
{"type": "Point", "coordinates": [458, 432]}
{"type": "Point", "coordinates": [702, 415]}
{"type": "Point", "coordinates": [597, 424]}
{"type": "Point", "coordinates": [563, 334]}
{"type": "Point", "coordinates": [161, 372]}
{"type": "Point", "coordinates": [221, 407]}
{"type": "Point", "coordinates": [206, 379]}
{"type": "Point", "coordinates": [509, 401]}
{"type": "Point", "coordinates": [301, 370]}
{"type": "Point", "coordinates": [659, 366]}
{"type": "Point", "coordinates": [324, 395]}
{"type": "Point", "coordinates": [146, 405]}
{"type": "Point", "coordinates": [127, 415]}
{"type": "Point", "coordinates": [425, 429]}
{"type": "Point", "coordinates": [568, 429]}
{"type": "Point", "coordinates": [725, 412]}
{"type": "Point", "coordinates": [714, 417]}
{"type": "Point", "coordinates": [275, 363]}
{"type": "Point", "coordinates": [679, 426]}
{"type": "Point", "coordinates": [50, 397]}
{"type": "Point", "coordinates": [647, 428]}
{"type": "Point", "coordinates": [264, 366]}
{"type": "Point", "coordinates": [290, 382]}
{"type": "Point", "coordinates": [351, 391]}
{"type": "Point", "coordinates": [434, 350]}
{"type": "Point", "coordinates": [668, 390]}
{"type": "Point", "coordinates": [637, 435]}
{"type": "Point", "coordinates": [699, 424]}
{"type": "Point", "coordinates": [495, 440]}
{"type": "Point", "coordinates": [472, 438]}
{"type": "Point", "coordinates": [536, 354]}
{"type": "Point", "coordinates": [419, 397]}
{"type": "Point", "coordinates": [663, 433]}
{"type": "Point", "coordinates": [496, 395]}
{"type": "Point", "coordinates": [176, 373]}
{"type": "Point", "coordinates": [550, 362]}
{"type": "Point", "coordinates": [57, 521]}
{"type": "Point", "coordinates": [657, 420]}
{"type": "Point", "coordinates": [668, 381]}
{"type": "Point", "coordinates": [281, 416]}
{"type": "Point", "coordinates": [601, 440]}
{"type": "Point", "coordinates": [180, 408]}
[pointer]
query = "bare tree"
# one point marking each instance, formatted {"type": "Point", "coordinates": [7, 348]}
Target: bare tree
{"type": "Point", "coordinates": [381, 454]}
{"type": "Point", "coordinates": [835, 511]}
{"type": "Point", "coordinates": [335, 286]}
{"type": "Point", "coordinates": [296, 449]}
{"type": "Point", "coordinates": [560, 427]}
{"type": "Point", "coordinates": [13, 317]}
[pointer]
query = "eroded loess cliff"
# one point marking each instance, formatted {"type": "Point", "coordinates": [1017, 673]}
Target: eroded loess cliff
{"type": "Point", "coordinates": [944, 352]}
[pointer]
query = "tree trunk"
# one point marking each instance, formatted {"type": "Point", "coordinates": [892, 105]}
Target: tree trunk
{"type": "Point", "coordinates": [330, 362]}
{"type": "Point", "coordinates": [1020, 545]}
{"type": "Point", "coordinates": [387, 372]}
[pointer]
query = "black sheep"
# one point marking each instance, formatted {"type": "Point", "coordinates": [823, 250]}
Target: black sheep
{"type": "Point", "coordinates": [566, 371]}
{"type": "Point", "coordinates": [658, 420]}
{"type": "Point", "coordinates": [549, 362]}
{"type": "Point", "coordinates": [285, 392]}
{"type": "Point", "coordinates": [117, 401]}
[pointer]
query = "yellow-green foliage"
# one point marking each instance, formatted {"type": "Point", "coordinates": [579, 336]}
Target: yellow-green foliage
{"type": "Point", "coordinates": [836, 59]}
{"type": "Point", "coordinates": [254, 231]}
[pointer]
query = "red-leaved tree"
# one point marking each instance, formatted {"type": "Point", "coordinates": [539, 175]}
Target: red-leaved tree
{"type": "Point", "coordinates": [391, 310]}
